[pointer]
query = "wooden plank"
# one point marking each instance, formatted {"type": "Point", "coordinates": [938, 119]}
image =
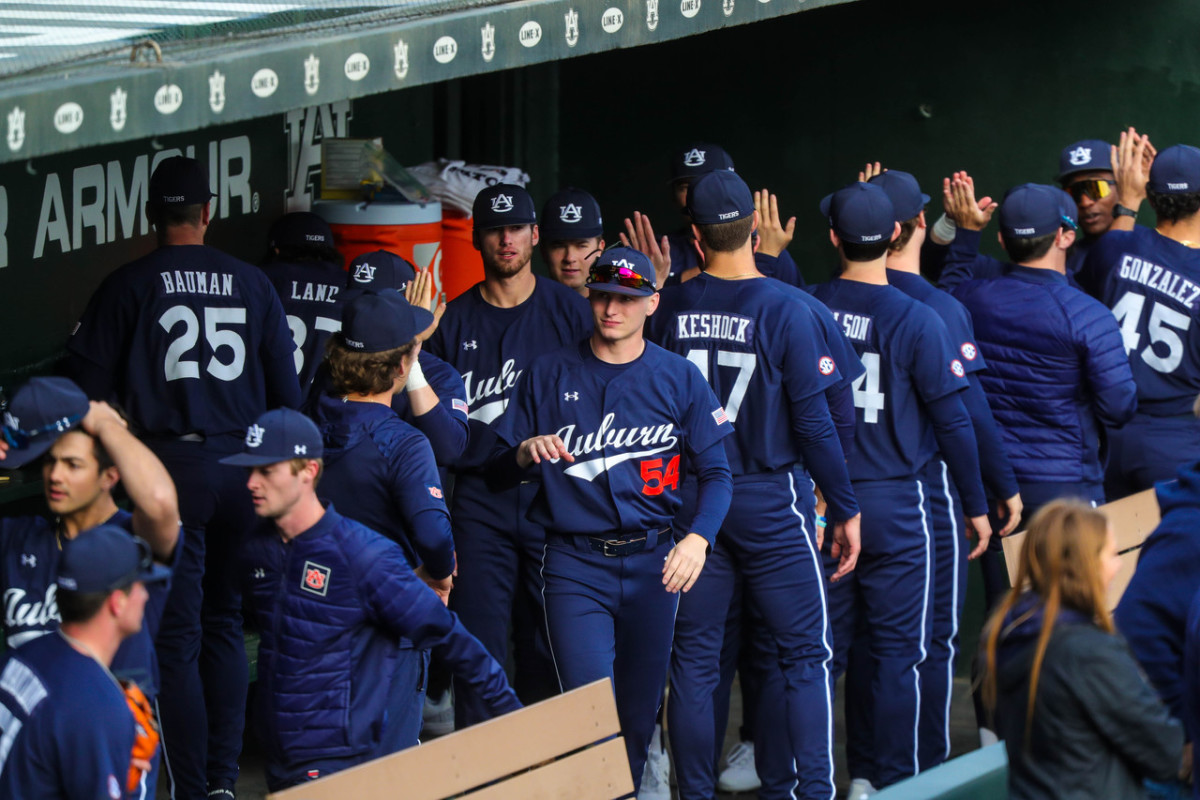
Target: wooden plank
{"type": "Point", "coordinates": [598, 773]}
{"type": "Point", "coordinates": [482, 753]}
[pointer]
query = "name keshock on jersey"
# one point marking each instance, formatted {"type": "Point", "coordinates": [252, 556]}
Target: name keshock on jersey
{"type": "Point", "coordinates": [494, 386]}
{"type": "Point", "coordinates": [1160, 279]}
{"type": "Point", "coordinates": [856, 326]}
{"type": "Point", "coordinates": [192, 282]}
{"type": "Point", "coordinates": [652, 438]}
{"type": "Point", "coordinates": [704, 325]}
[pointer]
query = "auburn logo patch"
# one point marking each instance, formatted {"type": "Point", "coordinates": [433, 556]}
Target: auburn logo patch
{"type": "Point", "coordinates": [315, 578]}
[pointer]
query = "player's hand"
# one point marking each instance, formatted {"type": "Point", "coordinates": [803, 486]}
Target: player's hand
{"type": "Point", "coordinates": [847, 543]}
{"type": "Point", "coordinates": [684, 563]}
{"type": "Point", "coordinates": [639, 234]}
{"type": "Point", "coordinates": [99, 413]}
{"type": "Point", "coordinates": [440, 587]}
{"type": "Point", "coordinates": [983, 530]}
{"type": "Point", "coordinates": [548, 447]}
{"type": "Point", "coordinates": [420, 292]}
{"type": "Point", "coordinates": [773, 235]}
{"type": "Point", "coordinates": [1010, 510]}
{"type": "Point", "coordinates": [870, 171]}
{"type": "Point", "coordinates": [958, 197]}
{"type": "Point", "coordinates": [1131, 160]}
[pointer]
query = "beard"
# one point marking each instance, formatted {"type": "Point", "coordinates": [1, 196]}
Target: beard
{"type": "Point", "coordinates": [506, 269]}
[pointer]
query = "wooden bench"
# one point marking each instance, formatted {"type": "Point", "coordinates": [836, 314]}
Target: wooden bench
{"type": "Point", "coordinates": [565, 747]}
{"type": "Point", "coordinates": [1133, 519]}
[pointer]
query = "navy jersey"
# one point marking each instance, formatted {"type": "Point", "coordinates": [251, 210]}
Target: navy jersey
{"type": "Point", "coordinates": [909, 361]}
{"type": "Point", "coordinates": [1152, 285]}
{"type": "Point", "coordinates": [188, 340]}
{"type": "Point", "coordinates": [761, 352]}
{"type": "Point", "coordinates": [952, 313]}
{"type": "Point", "coordinates": [65, 729]}
{"type": "Point", "coordinates": [311, 294]}
{"type": "Point", "coordinates": [29, 555]}
{"type": "Point", "coordinates": [628, 427]}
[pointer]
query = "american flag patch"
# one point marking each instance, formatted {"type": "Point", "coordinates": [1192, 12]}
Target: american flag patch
{"type": "Point", "coordinates": [719, 416]}
{"type": "Point", "coordinates": [459, 405]}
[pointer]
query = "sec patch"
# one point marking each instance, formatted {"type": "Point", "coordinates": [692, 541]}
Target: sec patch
{"type": "Point", "coordinates": [315, 579]}
{"type": "Point", "coordinates": [968, 351]}
{"type": "Point", "coordinates": [826, 366]}
{"type": "Point", "coordinates": [957, 368]}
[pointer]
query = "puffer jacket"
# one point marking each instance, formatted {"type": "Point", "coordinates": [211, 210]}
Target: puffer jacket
{"type": "Point", "coordinates": [333, 607]}
{"type": "Point", "coordinates": [1098, 728]}
{"type": "Point", "coordinates": [1057, 372]}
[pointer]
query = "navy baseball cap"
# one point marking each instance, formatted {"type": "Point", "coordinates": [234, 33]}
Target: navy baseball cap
{"type": "Point", "coordinates": [300, 229]}
{"type": "Point", "coordinates": [379, 270]}
{"type": "Point", "coordinates": [699, 159]}
{"type": "Point", "coordinates": [571, 214]}
{"type": "Point", "coordinates": [107, 558]}
{"type": "Point", "coordinates": [1033, 209]}
{"type": "Point", "coordinates": [860, 213]}
{"type": "Point", "coordinates": [719, 197]}
{"type": "Point", "coordinates": [1175, 170]}
{"type": "Point", "coordinates": [378, 321]}
{"type": "Point", "coordinates": [1085, 156]}
{"type": "Point", "coordinates": [501, 205]}
{"type": "Point", "coordinates": [40, 412]}
{"type": "Point", "coordinates": [622, 270]}
{"type": "Point", "coordinates": [179, 181]}
{"type": "Point", "coordinates": [278, 435]}
{"type": "Point", "coordinates": [903, 190]}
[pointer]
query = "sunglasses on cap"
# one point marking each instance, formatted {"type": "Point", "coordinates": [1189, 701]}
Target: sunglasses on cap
{"type": "Point", "coordinates": [622, 276]}
{"type": "Point", "coordinates": [21, 439]}
{"type": "Point", "coordinates": [1095, 188]}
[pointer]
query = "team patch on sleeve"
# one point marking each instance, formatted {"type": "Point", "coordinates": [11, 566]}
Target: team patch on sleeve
{"type": "Point", "coordinates": [720, 417]}
{"type": "Point", "coordinates": [957, 368]}
{"type": "Point", "coordinates": [826, 366]}
{"type": "Point", "coordinates": [434, 491]}
{"type": "Point", "coordinates": [968, 351]}
{"type": "Point", "coordinates": [459, 405]}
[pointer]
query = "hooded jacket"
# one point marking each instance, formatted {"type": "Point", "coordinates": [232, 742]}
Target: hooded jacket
{"type": "Point", "coordinates": [1098, 728]}
{"type": "Point", "coordinates": [1153, 612]}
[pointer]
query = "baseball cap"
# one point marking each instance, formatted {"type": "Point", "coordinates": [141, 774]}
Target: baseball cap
{"type": "Point", "coordinates": [380, 269]}
{"type": "Point", "coordinates": [278, 435]}
{"type": "Point", "coordinates": [179, 181]}
{"type": "Point", "coordinates": [1085, 156]}
{"type": "Point", "coordinates": [300, 229]}
{"type": "Point", "coordinates": [501, 205]}
{"type": "Point", "coordinates": [1033, 209]}
{"type": "Point", "coordinates": [860, 213]}
{"type": "Point", "coordinates": [377, 321]}
{"type": "Point", "coordinates": [622, 270]}
{"type": "Point", "coordinates": [699, 159]}
{"type": "Point", "coordinates": [1175, 170]}
{"type": "Point", "coordinates": [719, 197]}
{"type": "Point", "coordinates": [40, 412]}
{"type": "Point", "coordinates": [107, 558]}
{"type": "Point", "coordinates": [904, 192]}
{"type": "Point", "coordinates": [571, 214]}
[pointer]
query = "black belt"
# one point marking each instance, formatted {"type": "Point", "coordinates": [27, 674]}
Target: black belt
{"type": "Point", "coordinates": [617, 545]}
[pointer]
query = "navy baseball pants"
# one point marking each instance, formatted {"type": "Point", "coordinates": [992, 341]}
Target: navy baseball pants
{"type": "Point", "coordinates": [611, 617]}
{"type": "Point", "coordinates": [200, 646]}
{"type": "Point", "coordinates": [766, 538]}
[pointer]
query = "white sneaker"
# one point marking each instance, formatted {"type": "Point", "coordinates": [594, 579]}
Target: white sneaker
{"type": "Point", "coordinates": [860, 788]}
{"type": "Point", "coordinates": [656, 777]}
{"type": "Point", "coordinates": [437, 719]}
{"type": "Point", "coordinates": [739, 774]}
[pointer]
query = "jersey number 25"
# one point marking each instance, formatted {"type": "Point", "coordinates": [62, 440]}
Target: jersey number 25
{"type": "Point", "coordinates": [176, 366]}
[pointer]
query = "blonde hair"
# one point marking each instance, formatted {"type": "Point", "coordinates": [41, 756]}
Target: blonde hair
{"type": "Point", "coordinates": [1060, 564]}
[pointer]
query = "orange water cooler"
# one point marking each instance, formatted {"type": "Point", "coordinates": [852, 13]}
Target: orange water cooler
{"type": "Point", "coordinates": [461, 265]}
{"type": "Point", "coordinates": [406, 229]}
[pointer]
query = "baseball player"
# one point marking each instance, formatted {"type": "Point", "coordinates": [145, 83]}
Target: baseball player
{"type": "Point", "coordinates": [65, 722]}
{"type": "Point", "coordinates": [490, 334]}
{"type": "Point", "coordinates": [85, 451]}
{"type": "Point", "coordinates": [763, 353]}
{"type": "Point", "coordinates": [608, 426]}
{"type": "Point", "coordinates": [572, 234]}
{"type": "Point", "coordinates": [306, 270]}
{"type": "Point", "coordinates": [912, 383]}
{"type": "Point", "coordinates": [333, 600]}
{"type": "Point", "coordinates": [1151, 281]}
{"type": "Point", "coordinates": [193, 345]}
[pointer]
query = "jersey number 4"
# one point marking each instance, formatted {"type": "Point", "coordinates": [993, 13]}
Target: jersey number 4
{"type": "Point", "coordinates": [176, 366]}
{"type": "Point", "coordinates": [657, 478]}
{"type": "Point", "coordinates": [866, 389]}
{"type": "Point", "coordinates": [1164, 328]}
{"type": "Point", "coordinates": [743, 362]}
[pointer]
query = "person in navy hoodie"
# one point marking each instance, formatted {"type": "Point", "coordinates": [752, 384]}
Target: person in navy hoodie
{"type": "Point", "coordinates": [337, 605]}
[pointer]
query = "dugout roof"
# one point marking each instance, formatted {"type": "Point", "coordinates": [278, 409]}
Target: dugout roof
{"type": "Point", "coordinates": [67, 79]}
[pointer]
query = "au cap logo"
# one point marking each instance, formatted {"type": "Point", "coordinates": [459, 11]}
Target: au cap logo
{"type": "Point", "coordinates": [312, 74]}
{"type": "Point", "coordinates": [570, 213]}
{"type": "Point", "coordinates": [694, 157]}
{"type": "Point", "coordinates": [216, 91]}
{"type": "Point", "coordinates": [572, 17]}
{"type": "Point", "coordinates": [364, 273]}
{"type": "Point", "coordinates": [116, 104]}
{"type": "Point", "coordinates": [315, 579]}
{"type": "Point", "coordinates": [1081, 156]}
{"type": "Point", "coordinates": [401, 53]}
{"type": "Point", "coordinates": [623, 263]}
{"type": "Point", "coordinates": [254, 435]}
{"type": "Point", "coordinates": [16, 128]}
{"type": "Point", "coordinates": [488, 32]}
{"type": "Point", "coordinates": [502, 203]}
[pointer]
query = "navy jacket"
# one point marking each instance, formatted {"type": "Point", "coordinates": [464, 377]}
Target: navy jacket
{"type": "Point", "coordinates": [1153, 611]}
{"type": "Point", "coordinates": [333, 606]}
{"type": "Point", "coordinates": [1057, 372]}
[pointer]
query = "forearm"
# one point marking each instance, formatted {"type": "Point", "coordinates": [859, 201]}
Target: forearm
{"type": "Point", "coordinates": [993, 460]}
{"type": "Point", "coordinates": [502, 471]}
{"type": "Point", "coordinates": [148, 484]}
{"type": "Point", "coordinates": [433, 541]}
{"type": "Point", "coordinates": [957, 443]}
{"type": "Point", "coordinates": [964, 262]}
{"type": "Point", "coordinates": [823, 456]}
{"type": "Point", "coordinates": [714, 492]}
{"type": "Point", "coordinates": [447, 433]}
{"type": "Point", "coordinates": [840, 400]}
